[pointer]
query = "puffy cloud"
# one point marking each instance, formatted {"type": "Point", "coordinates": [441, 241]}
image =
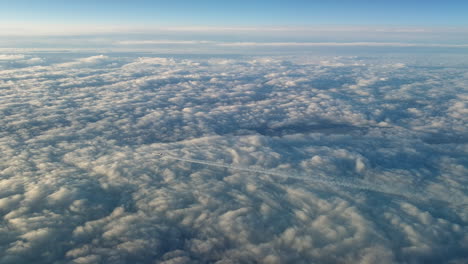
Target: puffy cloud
{"type": "Point", "coordinates": [12, 61]}
{"type": "Point", "coordinates": [88, 61]}
{"type": "Point", "coordinates": [82, 180]}
{"type": "Point", "coordinates": [6, 57]}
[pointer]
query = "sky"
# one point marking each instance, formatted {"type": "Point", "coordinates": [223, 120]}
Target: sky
{"type": "Point", "coordinates": [230, 26]}
{"type": "Point", "coordinates": [242, 12]}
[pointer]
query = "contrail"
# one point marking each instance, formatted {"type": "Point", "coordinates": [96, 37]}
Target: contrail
{"type": "Point", "coordinates": [361, 185]}
{"type": "Point", "coordinates": [412, 194]}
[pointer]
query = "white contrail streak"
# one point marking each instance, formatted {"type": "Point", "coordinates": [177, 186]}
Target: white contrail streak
{"type": "Point", "coordinates": [331, 182]}
{"type": "Point", "coordinates": [412, 193]}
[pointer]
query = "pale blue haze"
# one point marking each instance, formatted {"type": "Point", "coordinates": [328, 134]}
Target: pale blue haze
{"type": "Point", "coordinates": [242, 12]}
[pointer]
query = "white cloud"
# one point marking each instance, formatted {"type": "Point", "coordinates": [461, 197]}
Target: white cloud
{"type": "Point", "coordinates": [88, 61]}
{"type": "Point", "coordinates": [6, 57]}
{"type": "Point", "coordinates": [339, 44]}
{"type": "Point", "coordinates": [164, 42]}
{"type": "Point", "coordinates": [82, 181]}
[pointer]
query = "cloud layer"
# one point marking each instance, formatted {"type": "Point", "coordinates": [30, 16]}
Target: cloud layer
{"type": "Point", "coordinates": [266, 40]}
{"type": "Point", "coordinates": [82, 181]}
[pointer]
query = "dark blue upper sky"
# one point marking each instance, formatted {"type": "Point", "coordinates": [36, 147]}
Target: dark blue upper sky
{"type": "Point", "coordinates": [238, 12]}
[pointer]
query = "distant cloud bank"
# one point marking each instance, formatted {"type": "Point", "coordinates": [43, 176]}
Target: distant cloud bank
{"type": "Point", "coordinates": [226, 39]}
{"type": "Point", "coordinates": [289, 44]}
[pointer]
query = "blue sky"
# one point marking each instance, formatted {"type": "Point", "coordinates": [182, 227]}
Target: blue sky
{"type": "Point", "coordinates": [239, 12]}
{"type": "Point", "coordinates": [231, 25]}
